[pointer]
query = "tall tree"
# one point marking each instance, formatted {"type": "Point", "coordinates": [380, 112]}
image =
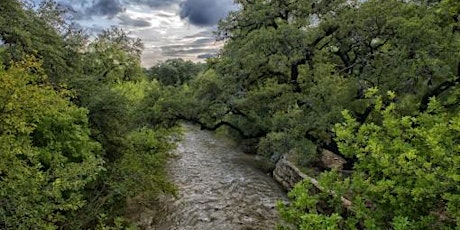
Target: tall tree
{"type": "Point", "coordinates": [290, 67]}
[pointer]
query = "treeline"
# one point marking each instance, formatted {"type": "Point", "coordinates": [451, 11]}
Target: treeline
{"type": "Point", "coordinates": [82, 133]}
{"type": "Point", "coordinates": [83, 127]}
{"type": "Point", "coordinates": [376, 82]}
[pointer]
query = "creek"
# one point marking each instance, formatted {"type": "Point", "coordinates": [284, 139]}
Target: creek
{"type": "Point", "coordinates": [219, 187]}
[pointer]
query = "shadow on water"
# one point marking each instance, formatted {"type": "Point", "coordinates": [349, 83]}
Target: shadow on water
{"type": "Point", "coordinates": [219, 187]}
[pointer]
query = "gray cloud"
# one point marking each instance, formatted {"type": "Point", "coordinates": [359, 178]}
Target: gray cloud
{"type": "Point", "coordinates": [159, 23]}
{"type": "Point", "coordinates": [196, 48]}
{"type": "Point", "coordinates": [179, 47]}
{"type": "Point", "coordinates": [206, 56]}
{"type": "Point", "coordinates": [109, 8]}
{"type": "Point", "coordinates": [134, 22]}
{"type": "Point", "coordinates": [197, 12]}
{"type": "Point", "coordinates": [164, 15]}
{"type": "Point", "coordinates": [187, 51]}
{"type": "Point", "coordinates": [205, 12]}
{"type": "Point", "coordinates": [153, 3]}
{"type": "Point", "coordinates": [206, 33]}
{"type": "Point", "coordinates": [95, 29]}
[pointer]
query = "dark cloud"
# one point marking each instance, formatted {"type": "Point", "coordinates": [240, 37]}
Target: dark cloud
{"type": "Point", "coordinates": [97, 15]}
{"type": "Point", "coordinates": [197, 12]}
{"type": "Point", "coordinates": [205, 12]}
{"type": "Point", "coordinates": [134, 22]}
{"type": "Point", "coordinates": [109, 8]}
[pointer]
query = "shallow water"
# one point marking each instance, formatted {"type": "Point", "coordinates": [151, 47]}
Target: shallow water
{"type": "Point", "coordinates": [219, 187]}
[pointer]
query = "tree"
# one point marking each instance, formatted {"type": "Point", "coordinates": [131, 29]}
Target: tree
{"type": "Point", "coordinates": [111, 59]}
{"type": "Point", "coordinates": [405, 176]}
{"type": "Point", "coordinates": [47, 155]}
{"type": "Point", "coordinates": [290, 67]}
{"type": "Point", "coordinates": [25, 33]}
{"type": "Point", "coordinates": [135, 151]}
{"type": "Point", "coordinates": [175, 72]}
{"type": "Point", "coordinates": [70, 167]}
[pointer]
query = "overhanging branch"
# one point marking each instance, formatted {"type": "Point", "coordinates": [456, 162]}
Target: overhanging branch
{"type": "Point", "coordinates": [438, 90]}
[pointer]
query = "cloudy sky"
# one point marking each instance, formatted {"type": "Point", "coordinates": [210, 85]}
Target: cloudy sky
{"type": "Point", "coordinates": [168, 28]}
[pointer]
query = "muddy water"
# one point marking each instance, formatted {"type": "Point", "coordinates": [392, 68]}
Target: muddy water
{"type": "Point", "coordinates": [219, 187]}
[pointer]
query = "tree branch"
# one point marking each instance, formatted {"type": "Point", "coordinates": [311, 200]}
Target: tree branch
{"type": "Point", "coordinates": [214, 127]}
{"type": "Point", "coordinates": [438, 90]}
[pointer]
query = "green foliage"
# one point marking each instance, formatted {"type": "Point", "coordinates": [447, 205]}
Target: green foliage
{"type": "Point", "coordinates": [47, 155]}
{"type": "Point", "coordinates": [303, 213]}
{"type": "Point", "coordinates": [118, 224]}
{"type": "Point", "coordinates": [141, 171]}
{"type": "Point", "coordinates": [114, 57]}
{"type": "Point", "coordinates": [72, 167]}
{"type": "Point", "coordinates": [135, 150]}
{"type": "Point", "coordinates": [405, 176]}
{"type": "Point", "coordinates": [290, 67]}
{"type": "Point", "coordinates": [174, 72]}
{"type": "Point", "coordinates": [25, 33]}
{"type": "Point", "coordinates": [165, 105]}
{"type": "Point", "coordinates": [287, 70]}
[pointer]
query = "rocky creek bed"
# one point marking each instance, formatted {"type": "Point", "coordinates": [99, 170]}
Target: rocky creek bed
{"type": "Point", "coordinates": [219, 187]}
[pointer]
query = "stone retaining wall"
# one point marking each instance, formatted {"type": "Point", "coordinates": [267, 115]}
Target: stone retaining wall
{"type": "Point", "coordinates": [287, 174]}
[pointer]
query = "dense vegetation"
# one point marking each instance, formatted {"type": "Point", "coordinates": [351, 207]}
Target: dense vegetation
{"type": "Point", "coordinates": [83, 127]}
{"type": "Point", "coordinates": [79, 134]}
{"type": "Point", "coordinates": [376, 82]}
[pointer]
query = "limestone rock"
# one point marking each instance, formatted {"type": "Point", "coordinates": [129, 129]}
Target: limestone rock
{"type": "Point", "coordinates": [331, 160]}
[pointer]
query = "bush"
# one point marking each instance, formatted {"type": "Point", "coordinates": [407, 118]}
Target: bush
{"type": "Point", "coordinates": [406, 175]}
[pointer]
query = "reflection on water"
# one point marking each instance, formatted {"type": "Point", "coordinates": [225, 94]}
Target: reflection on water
{"type": "Point", "coordinates": [219, 187]}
